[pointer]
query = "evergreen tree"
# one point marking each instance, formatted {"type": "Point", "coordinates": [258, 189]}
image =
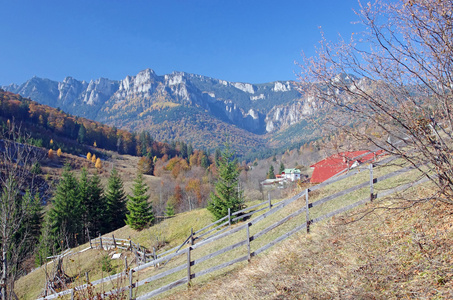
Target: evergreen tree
{"type": "Point", "coordinates": [282, 168]}
{"type": "Point", "coordinates": [19, 216]}
{"type": "Point", "coordinates": [65, 216]}
{"type": "Point", "coordinates": [271, 174]}
{"type": "Point", "coordinates": [27, 236]}
{"type": "Point", "coordinates": [140, 212]}
{"type": "Point", "coordinates": [183, 150]}
{"type": "Point", "coordinates": [217, 157]}
{"type": "Point", "coordinates": [227, 193]}
{"type": "Point", "coordinates": [81, 136]}
{"type": "Point", "coordinates": [189, 150]}
{"type": "Point", "coordinates": [84, 199]}
{"type": "Point", "coordinates": [170, 210]}
{"type": "Point", "coordinates": [46, 244]}
{"type": "Point", "coordinates": [204, 161]}
{"type": "Point", "coordinates": [95, 207]}
{"type": "Point", "coordinates": [116, 201]}
{"type": "Point", "coordinates": [35, 216]}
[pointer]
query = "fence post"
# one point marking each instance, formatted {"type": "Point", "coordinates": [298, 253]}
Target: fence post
{"type": "Point", "coordinates": [154, 256]}
{"type": "Point", "coordinates": [136, 256]}
{"type": "Point", "coordinates": [248, 241]}
{"type": "Point", "coordinates": [307, 211]}
{"type": "Point", "coordinates": [229, 216]}
{"type": "Point", "coordinates": [269, 199]}
{"type": "Point", "coordinates": [86, 277]}
{"type": "Point", "coordinates": [88, 233]}
{"type": "Point", "coordinates": [130, 243]}
{"type": "Point", "coordinates": [371, 182]}
{"type": "Point", "coordinates": [131, 286]}
{"type": "Point", "coordinates": [72, 294]}
{"type": "Point", "coordinates": [100, 241]}
{"type": "Point", "coordinates": [114, 242]}
{"type": "Point", "coordinates": [188, 265]}
{"type": "Point", "coordinates": [125, 264]}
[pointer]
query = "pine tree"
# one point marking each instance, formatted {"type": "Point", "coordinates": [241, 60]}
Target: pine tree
{"type": "Point", "coordinates": [217, 157]}
{"type": "Point", "coordinates": [189, 150]}
{"type": "Point", "coordinates": [170, 210]}
{"type": "Point", "coordinates": [81, 136]}
{"type": "Point", "coordinates": [27, 237]}
{"type": "Point", "coordinates": [183, 150]}
{"type": "Point", "coordinates": [271, 174]}
{"type": "Point", "coordinates": [282, 168]}
{"type": "Point", "coordinates": [17, 207]}
{"type": "Point", "coordinates": [116, 201]}
{"type": "Point", "coordinates": [65, 216]}
{"type": "Point", "coordinates": [84, 199]}
{"type": "Point", "coordinates": [46, 244]}
{"type": "Point", "coordinates": [93, 204]}
{"type": "Point", "coordinates": [140, 212]}
{"type": "Point", "coordinates": [227, 193]}
{"type": "Point", "coordinates": [204, 161]}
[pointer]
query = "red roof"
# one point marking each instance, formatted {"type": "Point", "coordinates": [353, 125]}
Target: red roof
{"type": "Point", "coordinates": [336, 163]}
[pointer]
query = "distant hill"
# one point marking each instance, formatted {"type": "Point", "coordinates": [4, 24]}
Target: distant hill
{"type": "Point", "coordinates": [52, 128]}
{"type": "Point", "coordinates": [184, 106]}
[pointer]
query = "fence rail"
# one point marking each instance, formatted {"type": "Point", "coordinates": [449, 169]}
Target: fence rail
{"type": "Point", "coordinates": [202, 241]}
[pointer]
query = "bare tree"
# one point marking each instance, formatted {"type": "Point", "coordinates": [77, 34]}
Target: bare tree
{"type": "Point", "coordinates": [17, 203]}
{"type": "Point", "coordinates": [395, 79]}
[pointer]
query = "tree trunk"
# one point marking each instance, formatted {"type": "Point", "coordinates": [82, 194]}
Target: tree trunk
{"type": "Point", "coordinates": [3, 280]}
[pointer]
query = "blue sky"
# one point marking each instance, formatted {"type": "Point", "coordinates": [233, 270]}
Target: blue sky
{"type": "Point", "coordinates": [235, 40]}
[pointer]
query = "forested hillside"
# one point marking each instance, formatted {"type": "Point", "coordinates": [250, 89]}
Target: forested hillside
{"type": "Point", "coordinates": [187, 107]}
{"type": "Point", "coordinates": [53, 128]}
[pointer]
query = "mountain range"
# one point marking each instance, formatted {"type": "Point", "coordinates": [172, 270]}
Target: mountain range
{"type": "Point", "coordinates": [187, 107]}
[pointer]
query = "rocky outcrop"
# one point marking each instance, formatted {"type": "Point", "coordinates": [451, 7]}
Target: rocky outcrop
{"type": "Point", "coordinates": [281, 117]}
{"type": "Point", "coordinates": [257, 108]}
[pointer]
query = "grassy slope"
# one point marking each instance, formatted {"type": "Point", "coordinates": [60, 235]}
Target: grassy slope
{"type": "Point", "coordinates": [341, 259]}
{"type": "Point", "coordinates": [370, 253]}
{"type": "Point", "coordinates": [174, 230]}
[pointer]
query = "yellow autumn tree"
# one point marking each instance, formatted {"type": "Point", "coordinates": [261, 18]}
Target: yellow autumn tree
{"type": "Point", "coordinates": [93, 158]}
{"type": "Point", "coordinates": [98, 164]}
{"type": "Point", "coordinates": [59, 152]}
{"type": "Point", "coordinates": [50, 154]}
{"type": "Point", "coordinates": [89, 156]}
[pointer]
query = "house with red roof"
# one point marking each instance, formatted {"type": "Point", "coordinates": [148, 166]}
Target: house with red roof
{"type": "Point", "coordinates": [340, 163]}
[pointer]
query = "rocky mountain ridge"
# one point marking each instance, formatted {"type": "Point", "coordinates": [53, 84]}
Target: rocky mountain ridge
{"type": "Point", "coordinates": [145, 101]}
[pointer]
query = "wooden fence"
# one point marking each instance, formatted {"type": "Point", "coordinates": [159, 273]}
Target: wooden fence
{"type": "Point", "coordinates": [201, 239]}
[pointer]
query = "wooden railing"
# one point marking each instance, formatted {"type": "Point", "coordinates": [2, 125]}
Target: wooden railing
{"type": "Point", "coordinates": [203, 238]}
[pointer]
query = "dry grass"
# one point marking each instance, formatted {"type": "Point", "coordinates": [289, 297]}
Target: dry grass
{"type": "Point", "coordinates": [387, 254]}
{"type": "Point", "coordinates": [334, 261]}
{"type": "Point", "coordinates": [174, 231]}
